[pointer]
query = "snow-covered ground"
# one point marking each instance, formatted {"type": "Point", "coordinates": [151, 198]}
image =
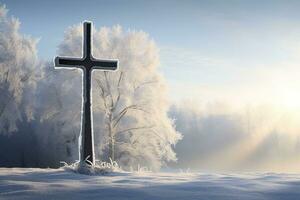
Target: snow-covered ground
{"type": "Point", "coordinates": [47, 184]}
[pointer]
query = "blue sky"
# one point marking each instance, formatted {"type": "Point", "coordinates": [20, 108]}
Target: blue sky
{"type": "Point", "coordinates": [207, 48]}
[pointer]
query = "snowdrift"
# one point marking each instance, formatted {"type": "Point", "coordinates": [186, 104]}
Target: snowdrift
{"type": "Point", "coordinates": [16, 183]}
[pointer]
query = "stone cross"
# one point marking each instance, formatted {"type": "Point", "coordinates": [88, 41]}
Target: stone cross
{"type": "Point", "coordinates": [87, 64]}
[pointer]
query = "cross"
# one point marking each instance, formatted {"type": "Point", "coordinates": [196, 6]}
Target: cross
{"type": "Point", "coordinates": [87, 64]}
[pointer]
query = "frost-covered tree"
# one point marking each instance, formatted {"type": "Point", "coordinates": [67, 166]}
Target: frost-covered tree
{"type": "Point", "coordinates": [130, 106]}
{"type": "Point", "coordinates": [18, 73]}
{"type": "Point", "coordinates": [57, 108]}
{"type": "Point", "coordinates": [114, 113]}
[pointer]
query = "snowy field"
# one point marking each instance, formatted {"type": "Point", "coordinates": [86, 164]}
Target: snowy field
{"type": "Point", "coordinates": [58, 184]}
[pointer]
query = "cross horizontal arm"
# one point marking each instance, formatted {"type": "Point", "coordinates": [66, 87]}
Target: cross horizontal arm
{"type": "Point", "coordinates": [67, 62]}
{"type": "Point", "coordinates": [105, 64]}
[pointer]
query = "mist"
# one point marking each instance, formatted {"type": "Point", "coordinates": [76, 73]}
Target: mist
{"type": "Point", "coordinates": [220, 137]}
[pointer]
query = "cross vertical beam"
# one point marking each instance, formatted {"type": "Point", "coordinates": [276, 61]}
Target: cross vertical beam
{"type": "Point", "coordinates": [87, 40]}
{"type": "Point", "coordinates": [87, 63]}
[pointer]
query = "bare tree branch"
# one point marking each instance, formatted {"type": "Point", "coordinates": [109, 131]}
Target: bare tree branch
{"type": "Point", "coordinates": [119, 92]}
{"type": "Point", "coordinates": [102, 92]}
{"type": "Point", "coordinates": [143, 84]}
{"type": "Point", "coordinates": [100, 85]}
{"type": "Point", "coordinates": [109, 90]}
{"type": "Point", "coordinates": [135, 128]}
{"type": "Point", "coordinates": [151, 130]}
{"type": "Point", "coordinates": [6, 76]}
{"type": "Point", "coordinates": [124, 111]}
